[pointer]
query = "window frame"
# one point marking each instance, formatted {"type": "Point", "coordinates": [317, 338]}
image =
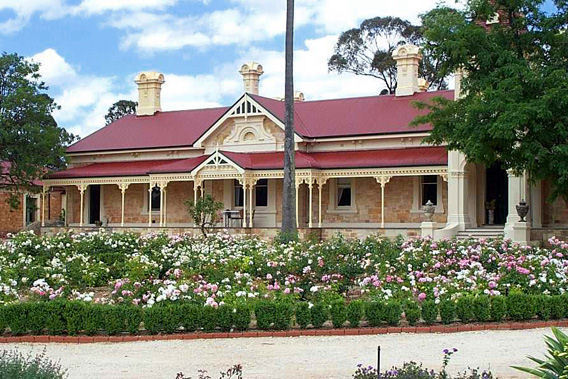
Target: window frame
{"type": "Point", "coordinates": [237, 186]}
{"type": "Point", "coordinates": [150, 206]}
{"type": "Point", "coordinates": [423, 184]}
{"type": "Point", "coordinates": [257, 186]}
{"type": "Point", "coordinates": [333, 206]}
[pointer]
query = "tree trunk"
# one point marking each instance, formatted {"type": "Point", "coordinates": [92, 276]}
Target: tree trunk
{"type": "Point", "coordinates": [289, 196]}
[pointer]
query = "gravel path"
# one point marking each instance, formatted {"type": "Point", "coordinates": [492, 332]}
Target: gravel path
{"type": "Point", "coordinates": [294, 357]}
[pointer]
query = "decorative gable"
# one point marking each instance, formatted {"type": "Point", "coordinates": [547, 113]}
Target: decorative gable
{"type": "Point", "coordinates": [246, 123]}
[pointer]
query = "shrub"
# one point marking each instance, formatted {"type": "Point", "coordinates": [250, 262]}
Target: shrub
{"type": "Point", "coordinates": [429, 311]}
{"type": "Point", "coordinates": [375, 313]}
{"type": "Point", "coordinates": [412, 312]}
{"type": "Point", "coordinates": [14, 364]}
{"type": "Point", "coordinates": [542, 306]}
{"type": "Point", "coordinates": [464, 309]}
{"type": "Point", "coordinates": [283, 316]}
{"type": "Point", "coordinates": [225, 317]}
{"type": "Point", "coordinates": [481, 308]}
{"type": "Point", "coordinates": [16, 315]}
{"type": "Point", "coordinates": [3, 324]}
{"type": "Point", "coordinates": [208, 318]}
{"type": "Point", "coordinates": [113, 322]}
{"type": "Point", "coordinates": [94, 318]}
{"type": "Point", "coordinates": [241, 317]}
{"type": "Point", "coordinates": [520, 306]}
{"type": "Point", "coordinates": [338, 312]}
{"type": "Point", "coordinates": [556, 307]}
{"type": "Point", "coordinates": [74, 315]}
{"type": "Point", "coordinates": [133, 317]}
{"type": "Point", "coordinates": [393, 311]}
{"type": "Point", "coordinates": [319, 314]}
{"type": "Point", "coordinates": [447, 311]}
{"type": "Point", "coordinates": [36, 316]}
{"type": "Point", "coordinates": [55, 324]}
{"type": "Point", "coordinates": [189, 316]}
{"type": "Point", "coordinates": [162, 318]}
{"type": "Point", "coordinates": [303, 315]}
{"type": "Point", "coordinates": [265, 312]}
{"type": "Point", "coordinates": [498, 308]}
{"type": "Point", "coordinates": [564, 297]}
{"type": "Point", "coordinates": [355, 310]}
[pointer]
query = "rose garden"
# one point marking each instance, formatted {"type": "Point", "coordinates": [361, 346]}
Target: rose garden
{"type": "Point", "coordinates": [105, 283]}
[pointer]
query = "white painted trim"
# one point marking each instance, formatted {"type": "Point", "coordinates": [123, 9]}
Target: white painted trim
{"type": "Point", "coordinates": [228, 114]}
{"type": "Point", "coordinates": [417, 195]}
{"type": "Point", "coordinates": [216, 155]}
{"type": "Point", "coordinates": [332, 204]}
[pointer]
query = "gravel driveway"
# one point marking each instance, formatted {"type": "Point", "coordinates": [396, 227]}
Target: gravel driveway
{"type": "Point", "coordinates": [294, 357]}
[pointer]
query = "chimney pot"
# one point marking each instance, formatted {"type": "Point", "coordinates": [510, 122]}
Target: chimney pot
{"type": "Point", "coordinates": [149, 88]}
{"type": "Point", "coordinates": [407, 59]}
{"type": "Point", "coordinates": [251, 73]}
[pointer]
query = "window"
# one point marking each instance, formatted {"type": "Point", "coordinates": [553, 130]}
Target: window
{"type": "Point", "coordinates": [261, 189]}
{"type": "Point", "coordinates": [343, 192]}
{"type": "Point", "coordinates": [155, 199]}
{"type": "Point", "coordinates": [238, 194]}
{"type": "Point", "coordinates": [429, 189]}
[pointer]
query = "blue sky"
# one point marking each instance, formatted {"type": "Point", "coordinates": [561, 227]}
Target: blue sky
{"type": "Point", "coordinates": [90, 50]}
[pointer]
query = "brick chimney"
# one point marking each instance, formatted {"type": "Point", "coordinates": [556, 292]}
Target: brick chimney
{"type": "Point", "coordinates": [407, 59]}
{"type": "Point", "coordinates": [251, 76]}
{"type": "Point", "coordinates": [149, 88]}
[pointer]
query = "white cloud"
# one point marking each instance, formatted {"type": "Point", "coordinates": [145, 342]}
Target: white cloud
{"type": "Point", "coordinates": [23, 10]}
{"type": "Point", "coordinates": [311, 75]}
{"type": "Point", "coordinates": [85, 99]}
{"type": "Point", "coordinates": [101, 6]}
{"type": "Point", "coordinates": [247, 21]}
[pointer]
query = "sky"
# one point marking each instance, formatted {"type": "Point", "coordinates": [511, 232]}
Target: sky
{"type": "Point", "coordinates": [91, 50]}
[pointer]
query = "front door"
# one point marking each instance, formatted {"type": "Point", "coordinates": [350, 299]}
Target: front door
{"type": "Point", "coordinates": [94, 204]}
{"type": "Point", "coordinates": [496, 195]}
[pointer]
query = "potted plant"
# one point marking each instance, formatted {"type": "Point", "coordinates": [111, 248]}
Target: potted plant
{"type": "Point", "coordinates": [490, 207]}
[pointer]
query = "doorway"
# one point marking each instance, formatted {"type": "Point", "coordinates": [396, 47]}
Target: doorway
{"type": "Point", "coordinates": [94, 204]}
{"type": "Point", "coordinates": [496, 195]}
{"type": "Point", "coordinates": [31, 209]}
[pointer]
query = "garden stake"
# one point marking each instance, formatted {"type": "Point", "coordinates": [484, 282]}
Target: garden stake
{"type": "Point", "coordinates": [379, 362]}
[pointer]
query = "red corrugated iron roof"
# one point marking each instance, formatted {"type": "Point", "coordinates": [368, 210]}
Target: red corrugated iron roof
{"type": "Point", "coordinates": [415, 156]}
{"type": "Point", "coordinates": [105, 169]}
{"type": "Point", "coordinates": [179, 165]}
{"type": "Point", "coordinates": [164, 129]}
{"type": "Point", "coordinates": [354, 116]}
{"type": "Point", "coordinates": [373, 115]}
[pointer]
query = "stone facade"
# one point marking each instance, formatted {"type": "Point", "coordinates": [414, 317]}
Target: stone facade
{"type": "Point", "coordinates": [12, 220]}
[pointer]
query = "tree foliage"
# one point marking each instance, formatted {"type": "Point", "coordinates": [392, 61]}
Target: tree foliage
{"type": "Point", "coordinates": [30, 140]}
{"type": "Point", "coordinates": [204, 212]}
{"type": "Point", "coordinates": [120, 109]}
{"type": "Point", "coordinates": [514, 91]}
{"type": "Point", "coordinates": [367, 50]}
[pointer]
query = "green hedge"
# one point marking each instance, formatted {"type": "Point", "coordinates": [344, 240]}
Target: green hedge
{"type": "Point", "coordinates": [75, 317]}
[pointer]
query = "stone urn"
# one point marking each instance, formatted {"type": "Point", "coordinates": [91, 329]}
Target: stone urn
{"type": "Point", "coordinates": [522, 210]}
{"type": "Point", "coordinates": [429, 210]}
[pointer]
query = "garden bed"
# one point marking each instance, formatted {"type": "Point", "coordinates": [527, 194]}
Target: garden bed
{"type": "Point", "coordinates": [106, 284]}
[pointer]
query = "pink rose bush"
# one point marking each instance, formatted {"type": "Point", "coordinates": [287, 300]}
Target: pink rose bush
{"type": "Point", "coordinates": [222, 269]}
